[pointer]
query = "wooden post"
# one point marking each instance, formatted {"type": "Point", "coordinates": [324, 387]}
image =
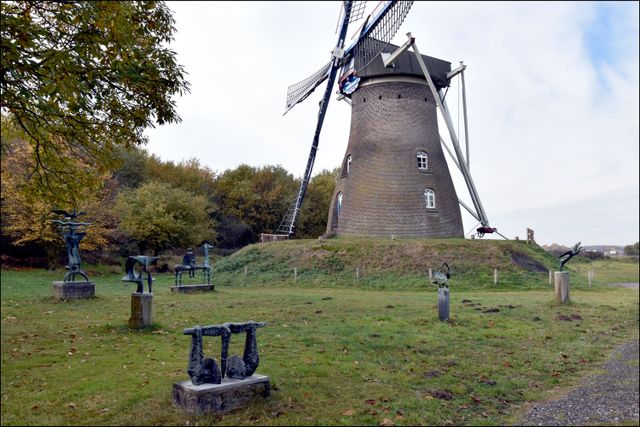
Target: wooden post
{"type": "Point", "coordinates": [561, 282]}
{"type": "Point", "coordinates": [550, 278]}
{"type": "Point", "coordinates": [295, 274]}
{"type": "Point", "coordinates": [245, 270]}
{"type": "Point", "coordinates": [495, 276]}
{"type": "Point", "coordinates": [357, 274]}
{"type": "Point", "coordinates": [430, 275]}
{"type": "Point", "coordinates": [443, 304]}
{"type": "Point", "coordinates": [590, 276]}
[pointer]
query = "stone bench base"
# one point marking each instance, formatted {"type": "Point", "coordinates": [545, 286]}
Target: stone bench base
{"type": "Point", "coordinates": [74, 290]}
{"type": "Point", "coordinates": [220, 398]}
{"type": "Point", "coordinates": [189, 289]}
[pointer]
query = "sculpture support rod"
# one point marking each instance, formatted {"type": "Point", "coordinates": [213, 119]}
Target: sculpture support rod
{"type": "Point", "coordinates": [466, 123]}
{"type": "Point", "coordinates": [447, 118]}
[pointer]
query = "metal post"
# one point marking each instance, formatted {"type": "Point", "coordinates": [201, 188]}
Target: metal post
{"type": "Point", "coordinates": [443, 304]}
{"type": "Point", "coordinates": [454, 139]}
{"type": "Point", "coordinates": [495, 276]}
{"type": "Point", "coordinates": [245, 270]}
{"type": "Point", "coordinates": [357, 275]}
{"type": "Point", "coordinates": [430, 275]}
{"type": "Point", "coordinates": [590, 275]}
{"type": "Point", "coordinates": [295, 274]}
{"type": "Point", "coordinates": [464, 109]}
{"type": "Point", "coordinates": [550, 278]}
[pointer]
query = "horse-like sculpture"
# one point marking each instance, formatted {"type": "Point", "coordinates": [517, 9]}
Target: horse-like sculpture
{"type": "Point", "coordinates": [189, 265]}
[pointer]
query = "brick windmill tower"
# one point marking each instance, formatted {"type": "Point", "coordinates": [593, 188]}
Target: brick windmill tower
{"type": "Point", "coordinates": [394, 179]}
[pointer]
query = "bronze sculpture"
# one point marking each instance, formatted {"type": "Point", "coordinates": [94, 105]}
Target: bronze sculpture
{"type": "Point", "coordinates": [72, 239]}
{"type": "Point", "coordinates": [565, 257]}
{"type": "Point", "coordinates": [136, 277]}
{"type": "Point", "coordinates": [203, 370]}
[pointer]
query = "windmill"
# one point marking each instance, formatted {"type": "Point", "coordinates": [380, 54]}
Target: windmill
{"type": "Point", "coordinates": [395, 179]}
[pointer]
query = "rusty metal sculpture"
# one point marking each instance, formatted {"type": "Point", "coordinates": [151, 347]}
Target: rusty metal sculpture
{"type": "Point", "coordinates": [72, 239]}
{"type": "Point", "coordinates": [203, 370]}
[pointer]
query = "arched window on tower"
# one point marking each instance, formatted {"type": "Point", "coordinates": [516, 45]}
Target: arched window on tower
{"type": "Point", "coordinates": [429, 198]}
{"type": "Point", "coordinates": [346, 166]}
{"type": "Point", "coordinates": [423, 161]}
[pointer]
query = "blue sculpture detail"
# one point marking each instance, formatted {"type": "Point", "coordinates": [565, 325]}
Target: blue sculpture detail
{"type": "Point", "coordinates": [72, 239]}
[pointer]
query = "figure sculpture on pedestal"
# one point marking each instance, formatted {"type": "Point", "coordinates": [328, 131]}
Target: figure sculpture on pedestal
{"type": "Point", "coordinates": [565, 257]}
{"type": "Point", "coordinates": [72, 239]}
{"type": "Point", "coordinates": [203, 370]}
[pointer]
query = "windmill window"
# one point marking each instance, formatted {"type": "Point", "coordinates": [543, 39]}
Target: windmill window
{"type": "Point", "coordinates": [339, 205]}
{"type": "Point", "coordinates": [346, 166]}
{"type": "Point", "coordinates": [423, 160]}
{"type": "Point", "coordinates": [429, 198]}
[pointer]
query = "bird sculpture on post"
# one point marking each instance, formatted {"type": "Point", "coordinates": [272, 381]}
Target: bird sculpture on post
{"type": "Point", "coordinates": [441, 276]}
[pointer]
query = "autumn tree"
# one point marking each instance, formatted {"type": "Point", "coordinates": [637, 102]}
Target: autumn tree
{"type": "Point", "coordinates": [159, 216]}
{"type": "Point", "coordinates": [80, 78]}
{"type": "Point", "coordinates": [312, 221]}
{"type": "Point", "coordinates": [26, 217]}
{"type": "Point", "coordinates": [252, 200]}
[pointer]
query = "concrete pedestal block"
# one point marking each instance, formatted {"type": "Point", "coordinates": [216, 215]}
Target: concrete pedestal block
{"type": "Point", "coordinates": [443, 304]}
{"type": "Point", "coordinates": [220, 398]}
{"type": "Point", "coordinates": [74, 290]}
{"type": "Point", "coordinates": [141, 310]}
{"type": "Point", "coordinates": [561, 284]}
{"type": "Point", "coordinates": [190, 289]}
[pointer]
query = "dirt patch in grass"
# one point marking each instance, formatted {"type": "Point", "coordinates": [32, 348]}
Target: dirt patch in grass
{"type": "Point", "coordinates": [527, 263]}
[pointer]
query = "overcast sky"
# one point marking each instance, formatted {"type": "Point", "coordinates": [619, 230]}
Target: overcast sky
{"type": "Point", "coordinates": [552, 92]}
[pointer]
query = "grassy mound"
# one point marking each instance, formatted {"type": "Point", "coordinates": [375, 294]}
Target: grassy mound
{"type": "Point", "coordinates": [385, 263]}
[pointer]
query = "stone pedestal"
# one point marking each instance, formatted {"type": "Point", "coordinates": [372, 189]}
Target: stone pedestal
{"type": "Point", "coordinates": [443, 304]}
{"type": "Point", "coordinates": [189, 289]}
{"type": "Point", "coordinates": [220, 398]}
{"type": "Point", "coordinates": [74, 290]}
{"type": "Point", "coordinates": [141, 310]}
{"type": "Point", "coordinates": [561, 284]}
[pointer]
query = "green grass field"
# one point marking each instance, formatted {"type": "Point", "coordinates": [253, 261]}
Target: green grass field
{"type": "Point", "coordinates": [339, 353]}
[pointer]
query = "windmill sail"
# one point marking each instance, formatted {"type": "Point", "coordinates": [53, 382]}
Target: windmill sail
{"type": "Point", "coordinates": [378, 33]}
{"type": "Point", "coordinates": [298, 92]}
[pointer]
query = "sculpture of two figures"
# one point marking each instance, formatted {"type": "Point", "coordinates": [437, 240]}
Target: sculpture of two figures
{"type": "Point", "coordinates": [206, 370]}
{"type": "Point", "coordinates": [565, 257]}
{"type": "Point", "coordinates": [136, 276]}
{"type": "Point", "coordinates": [189, 265]}
{"type": "Point", "coordinates": [72, 239]}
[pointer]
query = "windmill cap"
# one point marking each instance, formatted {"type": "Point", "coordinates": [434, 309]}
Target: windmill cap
{"type": "Point", "coordinates": [407, 65]}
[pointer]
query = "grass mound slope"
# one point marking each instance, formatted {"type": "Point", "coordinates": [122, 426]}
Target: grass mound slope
{"type": "Point", "coordinates": [385, 263]}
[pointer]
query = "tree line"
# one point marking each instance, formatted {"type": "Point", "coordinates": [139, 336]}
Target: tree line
{"type": "Point", "coordinates": [146, 205]}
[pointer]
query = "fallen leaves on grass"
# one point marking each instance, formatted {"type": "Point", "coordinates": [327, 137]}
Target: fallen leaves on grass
{"type": "Point", "coordinates": [348, 412]}
{"type": "Point", "coordinates": [387, 422]}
